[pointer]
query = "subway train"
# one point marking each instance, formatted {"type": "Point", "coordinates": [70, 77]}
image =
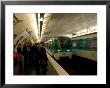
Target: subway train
{"type": "Point", "coordinates": [83, 46]}
{"type": "Point", "coordinates": [60, 47]}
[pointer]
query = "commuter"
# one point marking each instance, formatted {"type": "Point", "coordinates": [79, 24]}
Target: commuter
{"type": "Point", "coordinates": [32, 55]}
{"type": "Point", "coordinates": [25, 56]}
{"type": "Point", "coordinates": [28, 55]}
{"type": "Point", "coordinates": [37, 64]}
{"type": "Point", "coordinates": [42, 59]}
{"type": "Point", "coordinates": [15, 57]}
{"type": "Point", "coordinates": [19, 51]}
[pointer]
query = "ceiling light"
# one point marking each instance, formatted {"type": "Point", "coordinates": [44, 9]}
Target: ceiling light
{"type": "Point", "coordinates": [69, 35]}
{"type": "Point", "coordinates": [68, 50]}
{"type": "Point", "coordinates": [58, 50]}
{"type": "Point", "coordinates": [41, 19]}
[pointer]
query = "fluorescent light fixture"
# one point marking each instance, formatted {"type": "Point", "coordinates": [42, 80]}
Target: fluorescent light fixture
{"type": "Point", "coordinates": [69, 35]}
{"type": "Point", "coordinates": [41, 19]}
{"type": "Point", "coordinates": [58, 50]}
{"type": "Point", "coordinates": [38, 27]}
{"type": "Point", "coordinates": [68, 50]}
{"type": "Point", "coordinates": [85, 31]}
{"type": "Point", "coordinates": [50, 40]}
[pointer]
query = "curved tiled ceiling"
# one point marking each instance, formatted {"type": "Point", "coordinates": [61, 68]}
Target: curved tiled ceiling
{"type": "Point", "coordinates": [55, 24]}
{"type": "Point", "coordinates": [60, 24]}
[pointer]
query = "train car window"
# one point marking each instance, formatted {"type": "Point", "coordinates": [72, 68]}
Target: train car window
{"type": "Point", "coordinates": [83, 43]}
{"type": "Point", "coordinates": [57, 44]}
{"type": "Point", "coordinates": [74, 44]}
{"type": "Point", "coordinates": [92, 44]}
{"type": "Point", "coordinates": [65, 43]}
{"type": "Point", "coordinates": [62, 43]}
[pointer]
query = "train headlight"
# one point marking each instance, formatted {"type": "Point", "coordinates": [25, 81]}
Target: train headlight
{"type": "Point", "coordinates": [58, 50]}
{"type": "Point", "coordinates": [68, 50]}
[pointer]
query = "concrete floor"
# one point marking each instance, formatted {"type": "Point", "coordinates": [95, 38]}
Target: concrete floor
{"type": "Point", "coordinates": [32, 71]}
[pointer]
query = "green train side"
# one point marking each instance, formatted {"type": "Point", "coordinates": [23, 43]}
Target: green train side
{"type": "Point", "coordinates": [60, 47]}
{"type": "Point", "coordinates": [85, 46]}
{"type": "Point", "coordinates": [66, 47]}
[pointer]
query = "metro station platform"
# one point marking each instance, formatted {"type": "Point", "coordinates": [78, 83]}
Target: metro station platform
{"type": "Point", "coordinates": [74, 66]}
{"type": "Point", "coordinates": [53, 69]}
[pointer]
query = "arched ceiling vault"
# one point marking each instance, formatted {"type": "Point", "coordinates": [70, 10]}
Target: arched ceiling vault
{"type": "Point", "coordinates": [62, 24]}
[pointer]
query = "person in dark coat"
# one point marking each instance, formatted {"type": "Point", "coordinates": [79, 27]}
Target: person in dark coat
{"type": "Point", "coordinates": [19, 51]}
{"type": "Point", "coordinates": [37, 64]}
{"type": "Point", "coordinates": [42, 59]}
{"type": "Point", "coordinates": [28, 57]}
{"type": "Point", "coordinates": [32, 54]}
{"type": "Point", "coordinates": [25, 56]}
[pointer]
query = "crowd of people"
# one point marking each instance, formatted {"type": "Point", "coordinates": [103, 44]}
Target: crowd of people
{"type": "Point", "coordinates": [32, 55]}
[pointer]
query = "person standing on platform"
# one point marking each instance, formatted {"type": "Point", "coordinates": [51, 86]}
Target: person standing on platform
{"type": "Point", "coordinates": [19, 51]}
{"type": "Point", "coordinates": [37, 65]}
{"type": "Point", "coordinates": [32, 55]}
{"type": "Point", "coordinates": [42, 59]}
{"type": "Point", "coordinates": [28, 55]}
{"type": "Point", "coordinates": [25, 56]}
{"type": "Point", "coordinates": [16, 57]}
